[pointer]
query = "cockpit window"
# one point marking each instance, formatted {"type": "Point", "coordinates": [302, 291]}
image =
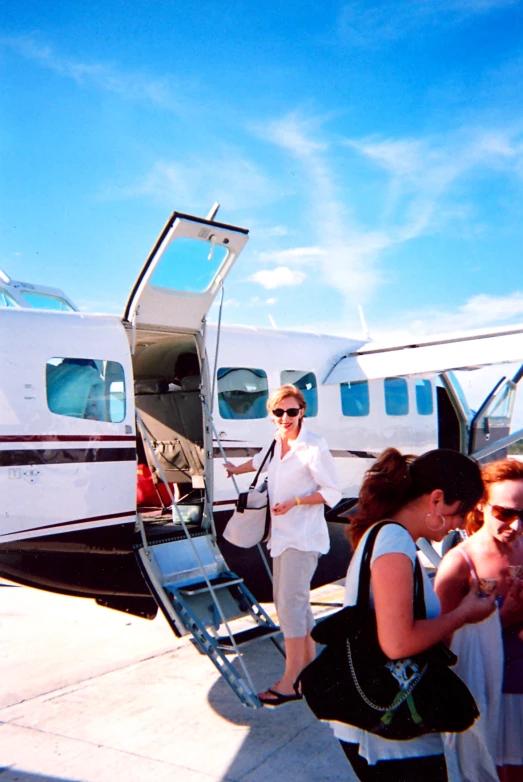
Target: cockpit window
{"type": "Point", "coordinates": [86, 388]}
{"type": "Point", "coordinates": [306, 382]}
{"type": "Point", "coordinates": [242, 393]}
{"type": "Point", "coordinates": [45, 301]}
{"type": "Point", "coordinates": [6, 300]}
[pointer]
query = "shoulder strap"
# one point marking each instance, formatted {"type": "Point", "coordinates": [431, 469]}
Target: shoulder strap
{"type": "Point", "coordinates": [270, 453]}
{"type": "Point", "coordinates": [363, 600]}
{"type": "Point", "coordinates": [364, 580]}
{"type": "Point", "coordinates": [469, 562]}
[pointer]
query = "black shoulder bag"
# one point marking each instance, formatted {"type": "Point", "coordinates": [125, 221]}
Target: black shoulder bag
{"type": "Point", "coordinates": [353, 682]}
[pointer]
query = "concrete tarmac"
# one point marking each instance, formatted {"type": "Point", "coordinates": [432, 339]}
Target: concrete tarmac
{"type": "Point", "coordinates": [93, 695]}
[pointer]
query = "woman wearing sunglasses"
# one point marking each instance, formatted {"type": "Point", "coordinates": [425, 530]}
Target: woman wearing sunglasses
{"type": "Point", "coordinates": [493, 551]}
{"type": "Point", "coordinates": [301, 480]}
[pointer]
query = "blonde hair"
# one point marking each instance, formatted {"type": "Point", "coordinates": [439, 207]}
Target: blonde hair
{"type": "Point", "coordinates": [282, 393]}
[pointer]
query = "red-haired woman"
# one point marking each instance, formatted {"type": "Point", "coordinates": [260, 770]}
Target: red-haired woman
{"type": "Point", "coordinates": [301, 480]}
{"type": "Point", "coordinates": [494, 551]}
{"type": "Point", "coordinates": [427, 496]}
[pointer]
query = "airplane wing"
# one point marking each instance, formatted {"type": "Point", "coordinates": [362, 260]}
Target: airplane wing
{"type": "Point", "coordinates": [432, 354]}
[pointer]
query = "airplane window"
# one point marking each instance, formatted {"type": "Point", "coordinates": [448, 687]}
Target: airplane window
{"type": "Point", "coordinates": [45, 301]}
{"type": "Point", "coordinates": [188, 265]}
{"type": "Point", "coordinates": [86, 388]}
{"type": "Point", "coordinates": [355, 398]}
{"type": "Point", "coordinates": [6, 300]}
{"type": "Point", "coordinates": [396, 396]}
{"type": "Point", "coordinates": [424, 399]}
{"type": "Point", "coordinates": [306, 382]}
{"type": "Point", "coordinates": [242, 393]}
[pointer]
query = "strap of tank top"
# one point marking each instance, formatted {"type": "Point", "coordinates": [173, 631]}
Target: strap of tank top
{"type": "Point", "coordinates": [469, 562]}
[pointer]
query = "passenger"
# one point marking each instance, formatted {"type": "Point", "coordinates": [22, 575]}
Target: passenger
{"type": "Point", "coordinates": [301, 480]}
{"type": "Point", "coordinates": [187, 365]}
{"type": "Point", "coordinates": [494, 550]}
{"type": "Point", "coordinates": [428, 495]}
{"type": "Point", "coordinates": [75, 388]}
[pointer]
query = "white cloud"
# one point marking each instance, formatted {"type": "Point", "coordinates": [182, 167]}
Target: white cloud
{"type": "Point", "coordinates": [302, 256]}
{"type": "Point", "coordinates": [345, 254]}
{"type": "Point", "coordinates": [482, 311]}
{"type": "Point", "coordinates": [228, 177]}
{"type": "Point", "coordinates": [276, 230]}
{"type": "Point", "coordinates": [279, 277]}
{"type": "Point", "coordinates": [362, 23]}
{"type": "Point", "coordinates": [136, 85]}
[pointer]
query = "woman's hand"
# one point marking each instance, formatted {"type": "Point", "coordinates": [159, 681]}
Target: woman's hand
{"type": "Point", "coordinates": [512, 609]}
{"type": "Point", "coordinates": [474, 608]}
{"type": "Point", "coordinates": [230, 469]}
{"type": "Point", "coordinates": [281, 508]}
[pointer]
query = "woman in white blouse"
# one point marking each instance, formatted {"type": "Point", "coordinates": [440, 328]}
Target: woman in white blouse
{"type": "Point", "coordinates": [301, 480]}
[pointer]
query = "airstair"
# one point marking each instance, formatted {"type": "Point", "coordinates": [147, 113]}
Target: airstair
{"type": "Point", "coordinates": [200, 596]}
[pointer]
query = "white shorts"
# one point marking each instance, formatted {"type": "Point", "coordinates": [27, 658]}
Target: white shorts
{"type": "Point", "coordinates": [293, 571]}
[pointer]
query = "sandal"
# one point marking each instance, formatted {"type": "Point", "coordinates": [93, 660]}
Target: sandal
{"type": "Point", "coordinates": [279, 699]}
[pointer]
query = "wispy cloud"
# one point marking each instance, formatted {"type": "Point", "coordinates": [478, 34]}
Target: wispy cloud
{"type": "Point", "coordinates": [227, 177]}
{"type": "Point", "coordinates": [345, 254]}
{"type": "Point", "coordinates": [372, 24]}
{"type": "Point", "coordinates": [280, 277]}
{"type": "Point", "coordinates": [479, 311]}
{"type": "Point", "coordinates": [424, 172]}
{"type": "Point", "coordinates": [135, 85]}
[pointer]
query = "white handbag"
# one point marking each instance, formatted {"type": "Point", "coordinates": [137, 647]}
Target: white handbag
{"type": "Point", "coordinates": [250, 522]}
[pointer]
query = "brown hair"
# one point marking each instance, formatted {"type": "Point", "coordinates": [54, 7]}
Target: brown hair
{"type": "Point", "coordinates": [282, 393]}
{"type": "Point", "coordinates": [494, 472]}
{"type": "Point", "coordinates": [396, 479]}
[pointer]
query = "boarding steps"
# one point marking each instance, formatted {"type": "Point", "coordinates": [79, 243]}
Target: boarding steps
{"type": "Point", "coordinates": [199, 596]}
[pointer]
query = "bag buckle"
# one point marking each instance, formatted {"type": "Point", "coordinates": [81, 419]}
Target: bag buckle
{"type": "Point", "coordinates": [242, 501]}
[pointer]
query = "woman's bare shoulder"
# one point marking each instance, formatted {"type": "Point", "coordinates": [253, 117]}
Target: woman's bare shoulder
{"type": "Point", "coordinates": [454, 563]}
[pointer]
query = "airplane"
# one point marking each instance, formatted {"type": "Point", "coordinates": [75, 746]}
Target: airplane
{"type": "Point", "coordinates": [113, 434]}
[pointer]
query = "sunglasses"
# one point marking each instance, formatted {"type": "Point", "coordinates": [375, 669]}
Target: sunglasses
{"type": "Point", "coordinates": [507, 515]}
{"type": "Point", "coordinates": [292, 412]}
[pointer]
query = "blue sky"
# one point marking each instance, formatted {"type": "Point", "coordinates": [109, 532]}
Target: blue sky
{"type": "Point", "coordinates": [374, 149]}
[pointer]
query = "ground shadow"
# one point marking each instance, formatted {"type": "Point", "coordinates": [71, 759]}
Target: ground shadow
{"type": "Point", "coordinates": [287, 743]}
{"type": "Point", "coordinates": [11, 774]}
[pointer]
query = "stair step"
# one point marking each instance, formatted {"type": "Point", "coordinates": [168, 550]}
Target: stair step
{"type": "Point", "coordinates": [217, 583]}
{"type": "Point", "coordinates": [247, 636]}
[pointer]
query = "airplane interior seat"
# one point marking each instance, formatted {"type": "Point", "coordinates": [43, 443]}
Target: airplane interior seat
{"type": "Point", "coordinates": [173, 421]}
{"type": "Point", "coordinates": [151, 386]}
{"type": "Point", "coordinates": [191, 383]}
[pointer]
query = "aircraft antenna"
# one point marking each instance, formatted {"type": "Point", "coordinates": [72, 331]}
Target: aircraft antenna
{"type": "Point", "coordinates": [364, 326]}
{"type": "Point", "coordinates": [214, 210]}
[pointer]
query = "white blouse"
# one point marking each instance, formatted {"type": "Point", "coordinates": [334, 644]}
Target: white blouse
{"type": "Point", "coordinates": [306, 468]}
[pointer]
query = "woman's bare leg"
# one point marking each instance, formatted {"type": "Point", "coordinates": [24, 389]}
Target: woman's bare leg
{"type": "Point", "coordinates": [297, 653]}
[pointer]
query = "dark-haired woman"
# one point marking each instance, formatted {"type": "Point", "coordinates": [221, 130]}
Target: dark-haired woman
{"type": "Point", "coordinates": [494, 551]}
{"type": "Point", "coordinates": [428, 496]}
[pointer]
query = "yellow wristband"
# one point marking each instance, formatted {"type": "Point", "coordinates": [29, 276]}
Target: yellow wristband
{"type": "Point", "coordinates": [298, 501]}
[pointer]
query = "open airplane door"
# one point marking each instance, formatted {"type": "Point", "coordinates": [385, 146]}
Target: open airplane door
{"type": "Point", "coordinates": [493, 420]}
{"type": "Point", "coordinates": [178, 553]}
{"type": "Point", "coordinates": [183, 273]}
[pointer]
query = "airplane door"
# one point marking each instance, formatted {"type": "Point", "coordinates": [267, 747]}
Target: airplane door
{"type": "Point", "coordinates": [493, 419]}
{"type": "Point", "coordinates": [183, 273]}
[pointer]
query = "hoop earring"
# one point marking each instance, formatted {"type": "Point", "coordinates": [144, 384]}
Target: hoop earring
{"type": "Point", "coordinates": [441, 526]}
